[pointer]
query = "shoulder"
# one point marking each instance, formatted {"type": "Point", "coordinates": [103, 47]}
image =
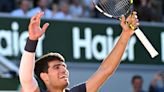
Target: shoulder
{"type": "Point", "coordinates": [17, 12]}
{"type": "Point", "coordinates": [79, 88]}
{"type": "Point", "coordinates": [58, 15]}
{"type": "Point", "coordinates": [48, 10]}
{"type": "Point", "coordinates": [33, 11]}
{"type": "Point", "coordinates": [48, 13]}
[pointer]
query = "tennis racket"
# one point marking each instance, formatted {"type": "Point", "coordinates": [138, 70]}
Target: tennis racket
{"type": "Point", "coordinates": [115, 9]}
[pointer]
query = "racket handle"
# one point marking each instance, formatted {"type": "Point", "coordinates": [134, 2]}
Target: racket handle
{"type": "Point", "coordinates": [146, 43]}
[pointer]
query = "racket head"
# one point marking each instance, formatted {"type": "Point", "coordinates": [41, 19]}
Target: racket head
{"type": "Point", "coordinates": [114, 8]}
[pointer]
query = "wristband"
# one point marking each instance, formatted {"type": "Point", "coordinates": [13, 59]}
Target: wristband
{"type": "Point", "coordinates": [31, 45]}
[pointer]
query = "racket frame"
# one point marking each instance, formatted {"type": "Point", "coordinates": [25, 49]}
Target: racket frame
{"type": "Point", "coordinates": [152, 51]}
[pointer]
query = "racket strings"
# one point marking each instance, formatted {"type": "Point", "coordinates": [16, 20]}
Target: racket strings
{"type": "Point", "coordinates": [103, 5]}
{"type": "Point", "coordinates": [110, 8]}
{"type": "Point", "coordinates": [126, 6]}
{"type": "Point", "coordinates": [121, 4]}
{"type": "Point", "coordinates": [114, 7]}
{"type": "Point", "coordinates": [107, 6]}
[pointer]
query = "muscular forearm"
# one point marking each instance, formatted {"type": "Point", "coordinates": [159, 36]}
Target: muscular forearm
{"type": "Point", "coordinates": [111, 62]}
{"type": "Point", "coordinates": [26, 71]}
{"type": "Point", "coordinates": [109, 65]}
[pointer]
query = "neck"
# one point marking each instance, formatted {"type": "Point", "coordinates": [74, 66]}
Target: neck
{"type": "Point", "coordinates": [56, 89]}
{"type": "Point", "coordinates": [137, 91]}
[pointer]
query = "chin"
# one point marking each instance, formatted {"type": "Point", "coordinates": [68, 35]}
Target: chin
{"type": "Point", "coordinates": [65, 83]}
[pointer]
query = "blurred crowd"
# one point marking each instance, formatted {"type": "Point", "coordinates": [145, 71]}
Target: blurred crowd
{"type": "Point", "coordinates": [60, 9]}
{"type": "Point", "coordinates": [148, 10]}
{"type": "Point", "coordinates": [156, 85]}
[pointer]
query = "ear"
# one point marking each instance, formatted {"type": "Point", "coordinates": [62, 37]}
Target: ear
{"type": "Point", "coordinates": [44, 77]}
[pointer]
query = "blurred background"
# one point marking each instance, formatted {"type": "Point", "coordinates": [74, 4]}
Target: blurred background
{"type": "Point", "coordinates": [84, 36]}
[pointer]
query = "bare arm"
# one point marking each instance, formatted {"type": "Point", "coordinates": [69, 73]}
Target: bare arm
{"type": "Point", "coordinates": [28, 82]}
{"type": "Point", "coordinates": [111, 62]}
{"type": "Point", "coordinates": [157, 77]}
{"type": "Point", "coordinates": [26, 71]}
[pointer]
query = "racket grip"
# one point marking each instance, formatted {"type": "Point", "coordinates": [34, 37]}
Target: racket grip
{"type": "Point", "coordinates": [146, 43]}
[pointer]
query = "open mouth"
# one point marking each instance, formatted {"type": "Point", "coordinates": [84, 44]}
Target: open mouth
{"type": "Point", "coordinates": [63, 77]}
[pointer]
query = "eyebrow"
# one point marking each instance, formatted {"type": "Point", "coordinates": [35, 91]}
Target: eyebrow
{"type": "Point", "coordinates": [59, 64]}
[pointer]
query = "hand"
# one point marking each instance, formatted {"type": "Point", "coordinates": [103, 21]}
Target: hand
{"type": "Point", "coordinates": [130, 22]}
{"type": "Point", "coordinates": [158, 76]}
{"type": "Point", "coordinates": [35, 31]}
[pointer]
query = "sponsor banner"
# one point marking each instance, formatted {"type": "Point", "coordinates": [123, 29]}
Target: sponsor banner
{"type": "Point", "coordinates": [79, 41]}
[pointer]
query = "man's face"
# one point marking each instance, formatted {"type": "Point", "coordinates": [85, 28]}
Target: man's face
{"type": "Point", "coordinates": [58, 74]}
{"type": "Point", "coordinates": [25, 5]}
{"type": "Point", "coordinates": [137, 84]}
{"type": "Point", "coordinates": [43, 3]}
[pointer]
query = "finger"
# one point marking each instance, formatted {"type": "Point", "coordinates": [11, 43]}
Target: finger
{"type": "Point", "coordinates": [40, 14]}
{"type": "Point", "coordinates": [132, 20]}
{"type": "Point", "coordinates": [44, 28]}
{"type": "Point", "coordinates": [32, 25]}
{"type": "Point", "coordinates": [34, 17]}
{"type": "Point", "coordinates": [135, 16]}
{"type": "Point", "coordinates": [132, 16]}
{"type": "Point", "coordinates": [135, 25]}
{"type": "Point", "coordinates": [134, 13]}
{"type": "Point", "coordinates": [123, 20]}
{"type": "Point", "coordinates": [129, 18]}
{"type": "Point", "coordinates": [135, 21]}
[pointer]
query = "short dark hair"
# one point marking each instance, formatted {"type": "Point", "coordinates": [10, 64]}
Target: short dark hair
{"type": "Point", "coordinates": [41, 64]}
{"type": "Point", "coordinates": [136, 77]}
{"type": "Point", "coordinates": [21, 1]}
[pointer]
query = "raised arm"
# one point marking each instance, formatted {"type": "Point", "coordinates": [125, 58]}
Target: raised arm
{"type": "Point", "coordinates": [110, 63]}
{"type": "Point", "coordinates": [26, 70]}
{"type": "Point", "coordinates": [159, 76]}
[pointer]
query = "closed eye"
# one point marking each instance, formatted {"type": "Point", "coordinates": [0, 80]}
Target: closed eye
{"type": "Point", "coordinates": [64, 65]}
{"type": "Point", "coordinates": [57, 66]}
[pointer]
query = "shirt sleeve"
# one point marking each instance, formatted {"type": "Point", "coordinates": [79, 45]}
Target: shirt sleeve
{"type": "Point", "coordinates": [26, 69]}
{"type": "Point", "coordinates": [79, 88]}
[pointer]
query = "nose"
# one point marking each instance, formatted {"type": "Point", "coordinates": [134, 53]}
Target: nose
{"type": "Point", "coordinates": [64, 70]}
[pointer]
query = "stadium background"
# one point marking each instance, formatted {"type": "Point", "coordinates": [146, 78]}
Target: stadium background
{"type": "Point", "coordinates": [69, 35]}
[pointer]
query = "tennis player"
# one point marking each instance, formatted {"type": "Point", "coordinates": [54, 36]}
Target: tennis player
{"type": "Point", "coordinates": [52, 70]}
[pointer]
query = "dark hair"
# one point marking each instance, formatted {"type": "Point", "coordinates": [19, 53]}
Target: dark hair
{"type": "Point", "coordinates": [21, 1]}
{"type": "Point", "coordinates": [41, 64]}
{"type": "Point", "coordinates": [35, 3]}
{"type": "Point", "coordinates": [136, 77]}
